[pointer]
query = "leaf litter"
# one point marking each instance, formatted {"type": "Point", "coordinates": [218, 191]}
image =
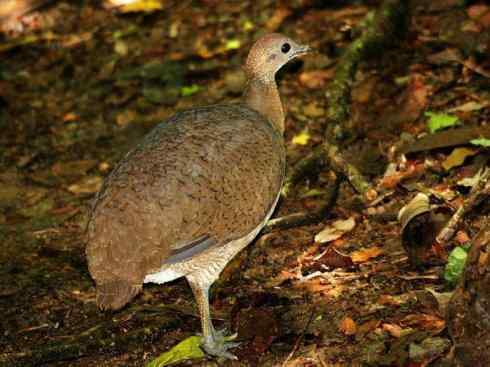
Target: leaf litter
{"type": "Point", "coordinates": [98, 81]}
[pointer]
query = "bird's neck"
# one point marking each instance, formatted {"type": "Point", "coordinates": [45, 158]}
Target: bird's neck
{"type": "Point", "coordinates": [263, 97]}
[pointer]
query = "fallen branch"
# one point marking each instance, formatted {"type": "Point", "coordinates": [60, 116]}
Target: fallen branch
{"type": "Point", "coordinates": [478, 193]}
{"type": "Point", "coordinates": [305, 218]}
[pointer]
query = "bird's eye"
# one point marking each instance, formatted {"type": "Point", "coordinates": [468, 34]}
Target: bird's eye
{"type": "Point", "coordinates": [285, 48]}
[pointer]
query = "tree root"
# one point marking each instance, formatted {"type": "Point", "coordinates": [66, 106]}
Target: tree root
{"type": "Point", "coordinates": [305, 218]}
{"type": "Point", "coordinates": [380, 30]}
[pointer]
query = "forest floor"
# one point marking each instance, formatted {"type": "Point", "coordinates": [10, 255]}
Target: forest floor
{"type": "Point", "coordinates": [80, 84]}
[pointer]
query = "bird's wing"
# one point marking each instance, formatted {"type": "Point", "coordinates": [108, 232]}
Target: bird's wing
{"type": "Point", "coordinates": [190, 249]}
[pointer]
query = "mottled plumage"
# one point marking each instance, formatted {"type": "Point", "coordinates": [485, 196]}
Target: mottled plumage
{"type": "Point", "coordinates": [212, 171]}
{"type": "Point", "coordinates": [193, 193]}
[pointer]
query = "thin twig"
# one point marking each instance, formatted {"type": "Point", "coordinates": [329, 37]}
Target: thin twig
{"type": "Point", "coordinates": [304, 218]}
{"type": "Point", "coordinates": [479, 191]}
{"type": "Point", "coordinates": [299, 339]}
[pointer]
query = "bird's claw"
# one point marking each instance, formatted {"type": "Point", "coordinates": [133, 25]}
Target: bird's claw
{"type": "Point", "coordinates": [218, 346]}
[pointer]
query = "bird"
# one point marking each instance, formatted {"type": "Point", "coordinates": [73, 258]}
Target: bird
{"type": "Point", "coordinates": [193, 193]}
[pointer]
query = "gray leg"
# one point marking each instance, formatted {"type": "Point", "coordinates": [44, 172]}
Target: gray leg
{"type": "Point", "coordinates": [214, 343]}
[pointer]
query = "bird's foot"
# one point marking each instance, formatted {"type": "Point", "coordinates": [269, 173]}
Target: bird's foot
{"type": "Point", "coordinates": [218, 345]}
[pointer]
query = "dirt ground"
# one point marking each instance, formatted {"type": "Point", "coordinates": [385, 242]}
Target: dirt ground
{"type": "Point", "coordinates": [80, 84]}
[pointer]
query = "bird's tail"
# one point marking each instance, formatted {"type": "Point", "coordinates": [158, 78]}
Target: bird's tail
{"type": "Point", "coordinates": [116, 294]}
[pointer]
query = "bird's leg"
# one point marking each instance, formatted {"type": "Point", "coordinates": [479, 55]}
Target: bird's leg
{"type": "Point", "coordinates": [214, 343]}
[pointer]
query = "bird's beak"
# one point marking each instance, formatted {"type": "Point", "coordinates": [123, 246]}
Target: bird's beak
{"type": "Point", "coordinates": [302, 50]}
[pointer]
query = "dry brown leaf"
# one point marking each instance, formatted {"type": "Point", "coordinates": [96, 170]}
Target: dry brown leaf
{"type": "Point", "coordinates": [348, 326]}
{"type": "Point", "coordinates": [386, 299]}
{"type": "Point", "coordinates": [483, 261]}
{"type": "Point", "coordinates": [368, 326]}
{"type": "Point", "coordinates": [393, 329]}
{"type": "Point", "coordinates": [335, 230]}
{"type": "Point", "coordinates": [366, 254]}
{"type": "Point", "coordinates": [73, 168]}
{"type": "Point", "coordinates": [316, 79]}
{"type": "Point", "coordinates": [480, 13]}
{"type": "Point", "coordinates": [457, 157]}
{"type": "Point", "coordinates": [364, 91]}
{"type": "Point", "coordinates": [425, 322]}
{"type": "Point", "coordinates": [313, 110]}
{"type": "Point", "coordinates": [334, 259]}
{"type": "Point", "coordinates": [462, 237]}
{"type": "Point", "coordinates": [280, 278]}
{"type": "Point", "coordinates": [88, 185]}
{"type": "Point", "coordinates": [277, 19]}
{"type": "Point", "coordinates": [413, 170]}
{"type": "Point", "coordinates": [70, 116]}
{"type": "Point", "coordinates": [318, 285]}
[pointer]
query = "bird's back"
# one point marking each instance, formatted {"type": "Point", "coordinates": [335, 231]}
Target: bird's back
{"type": "Point", "coordinates": [211, 172]}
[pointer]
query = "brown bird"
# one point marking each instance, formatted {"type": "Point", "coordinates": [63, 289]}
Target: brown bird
{"type": "Point", "coordinates": [193, 193]}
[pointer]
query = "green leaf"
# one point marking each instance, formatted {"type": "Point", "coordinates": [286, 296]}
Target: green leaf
{"type": "Point", "coordinates": [439, 121]}
{"type": "Point", "coordinates": [481, 142]}
{"type": "Point", "coordinates": [186, 349]}
{"type": "Point", "coordinates": [232, 44]}
{"type": "Point", "coordinates": [455, 265]}
{"type": "Point", "coordinates": [189, 90]}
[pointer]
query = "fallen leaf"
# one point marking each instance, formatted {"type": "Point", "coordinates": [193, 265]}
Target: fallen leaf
{"type": "Point", "coordinates": [477, 10]}
{"type": "Point", "coordinates": [365, 254]}
{"type": "Point", "coordinates": [424, 321]}
{"type": "Point", "coordinates": [468, 107]}
{"type": "Point", "coordinates": [462, 237]}
{"type": "Point", "coordinates": [186, 349]}
{"type": "Point", "coordinates": [335, 230]}
{"type": "Point", "coordinates": [472, 181]}
{"type": "Point", "coordinates": [232, 44]}
{"type": "Point", "coordinates": [275, 21]}
{"type": "Point", "coordinates": [189, 90]}
{"type": "Point", "coordinates": [348, 326]}
{"type": "Point", "coordinates": [88, 185]}
{"type": "Point", "coordinates": [302, 138]}
{"type": "Point", "coordinates": [70, 116]}
{"type": "Point", "coordinates": [457, 157]}
{"type": "Point", "coordinates": [412, 170]}
{"type": "Point", "coordinates": [124, 118]}
{"type": "Point", "coordinates": [455, 265]}
{"type": "Point", "coordinates": [121, 48]}
{"type": "Point", "coordinates": [315, 285]}
{"type": "Point", "coordinates": [439, 121]}
{"type": "Point", "coordinates": [334, 259]}
{"type": "Point", "coordinates": [313, 110]}
{"type": "Point", "coordinates": [393, 329]}
{"type": "Point", "coordinates": [481, 142]}
{"type": "Point", "coordinates": [409, 106]}
{"type": "Point", "coordinates": [316, 79]}
{"type": "Point", "coordinates": [387, 299]}
{"type": "Point", "coordinates": [368, 327]}
{"type": "Point", "coordinates": [135, 6]}
{"type": "Point", "coordinates": [425, 352]}
{"type": "Point", "coordinates": [73, 168]}
{"type": "Point", "coordinates": [363, 92]}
